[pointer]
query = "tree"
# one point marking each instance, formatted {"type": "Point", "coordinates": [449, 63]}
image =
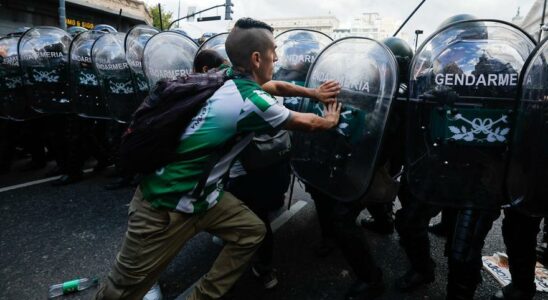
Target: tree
{"type": "Point", "coordinates": [166, 17]}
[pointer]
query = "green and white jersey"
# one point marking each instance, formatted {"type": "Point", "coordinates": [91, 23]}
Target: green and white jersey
{"type": "Point", "coordinates": [239, 107]}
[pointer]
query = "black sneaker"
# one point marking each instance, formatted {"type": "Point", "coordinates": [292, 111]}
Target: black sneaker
{"type": "Point", "coordinates": [268, 278]}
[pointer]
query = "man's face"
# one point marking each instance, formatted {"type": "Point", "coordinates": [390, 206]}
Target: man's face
{"type": "Point", "coordinates": [267, 60]}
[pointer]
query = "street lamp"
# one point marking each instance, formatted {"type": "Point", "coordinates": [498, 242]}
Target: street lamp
{"type": "Point", "coordinates": [417, 32]}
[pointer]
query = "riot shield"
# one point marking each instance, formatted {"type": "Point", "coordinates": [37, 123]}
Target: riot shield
{"type": "Point", "coordinates": [217, 43]}
{"type": "Point", "coordinates": [527, 177]}
{"type": "Point", "coordinates": [86, 92]}
{"type": "Point", "coordinates": [297, 49]}
{"type": "Point", "coordinates": [168, 55]}
{"type": "Point", "coordinates": [463, 85]}
{"type": "Point", "coordinates": [43, 57]}
{"type": "Point", "coordinates": [117, 85]}
{"type": "Point", "coordinates": [13, 101]}
{"type": "Point", "coordinates": [341, 162]}
{"type": "Point", "coordinates": [134, 45]}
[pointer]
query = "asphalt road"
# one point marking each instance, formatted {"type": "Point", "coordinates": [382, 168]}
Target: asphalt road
{"type": "Point", "coordinates": [54, 234]}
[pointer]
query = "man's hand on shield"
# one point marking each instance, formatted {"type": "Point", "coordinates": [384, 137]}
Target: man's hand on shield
{"type": "Point", "coordinates": [327, 92]}
{"type": "Point", "coordinates": [332, 112]}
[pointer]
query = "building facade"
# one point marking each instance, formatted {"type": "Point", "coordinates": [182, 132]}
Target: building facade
{"type": "Point", "coordinates": [324, 24]}
{"type": "Point", "coordinates": [531, 22]}
{"type": "Point", "coordinates": [15, 14]}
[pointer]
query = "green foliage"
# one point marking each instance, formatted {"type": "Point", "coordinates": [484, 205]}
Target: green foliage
{"type": "Point", "coordinates": [166, 16]}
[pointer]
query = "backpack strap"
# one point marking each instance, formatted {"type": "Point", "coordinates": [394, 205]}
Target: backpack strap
{"type": "Point", "coordinates": [213, 160]}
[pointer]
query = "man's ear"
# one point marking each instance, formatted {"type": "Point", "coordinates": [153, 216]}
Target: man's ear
{"type": "Point", "coordinates": [255, 60]}
{"type": "Point", "coordinates": [204, 69]}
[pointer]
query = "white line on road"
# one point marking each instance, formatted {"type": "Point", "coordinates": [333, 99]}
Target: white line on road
{"type": "Point", "coordinates": [276, 224]}
{"type": "Point", "coordinates": [22, 185]}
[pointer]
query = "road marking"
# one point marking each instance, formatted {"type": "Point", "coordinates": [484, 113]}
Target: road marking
{"type": "Point", "coordinates": [30, 183]}
{"type": "Point", "coordinates": [275, 224]}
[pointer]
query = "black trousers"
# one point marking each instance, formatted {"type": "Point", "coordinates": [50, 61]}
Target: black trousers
{"type": "Point", "coordinates": [338, 222]}
{"type": "Point", "coordinates": [263, 190]}
{"type": "Point", "coordinates": [520, 236]}
{"type": "Point", "coordinates": [463, 248]}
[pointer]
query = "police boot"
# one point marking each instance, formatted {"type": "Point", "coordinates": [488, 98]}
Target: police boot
{"type": "Point", "coordinates": [509, 292]}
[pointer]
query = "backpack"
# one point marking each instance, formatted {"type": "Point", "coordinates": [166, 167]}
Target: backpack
{"type": "Point", "coordinates": [266, 150]}
{"type": "Point", "coordinates": [151, 140]}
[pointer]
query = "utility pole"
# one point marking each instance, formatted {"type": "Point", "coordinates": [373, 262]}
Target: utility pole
{"type": "Point", "coordinates": [179, 12]}
{"type": "Point", "coordinates": [228, 9]}
{"type": "Point", "coordinates": [417, 32]}
{"type": "Point", "coordinates": [62, 15]}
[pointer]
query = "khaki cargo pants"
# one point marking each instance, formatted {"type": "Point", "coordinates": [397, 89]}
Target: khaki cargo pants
{"type": "Point", "coordinates": [154, 237]}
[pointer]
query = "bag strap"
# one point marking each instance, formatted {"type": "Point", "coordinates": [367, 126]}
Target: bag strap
{"type": "Point", "coordinates": [213, 160]}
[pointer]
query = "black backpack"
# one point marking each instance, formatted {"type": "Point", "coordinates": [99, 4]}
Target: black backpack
{"type": "Point", "coordinates": [151, 140]}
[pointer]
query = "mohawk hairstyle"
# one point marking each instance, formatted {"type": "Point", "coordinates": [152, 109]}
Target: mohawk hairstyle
{"type": "Point", "coordinates": [248, 36]}
{"type": "Point", "coordinates": [247, 23]}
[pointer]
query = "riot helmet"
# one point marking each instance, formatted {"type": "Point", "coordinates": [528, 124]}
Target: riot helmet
{"type": "Point", "coordinates": [74, 30]}
{"type": "Point", "coordinates": [105, 28]}
{"type": "Point", "coordinates": [455, 19]}
{"type": "Point", "coordinates": [179, 30]}
{"type": "Point", "coordinates": [403, 53]}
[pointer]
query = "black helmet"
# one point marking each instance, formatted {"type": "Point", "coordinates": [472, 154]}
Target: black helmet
{"type": "Point", "coordinates": [470, 30]}
{"type": "Point", "coordinates": [105, 28]}
{"type": "Point", "coordinates": [403, 53]}
{"type": "Point", "coordinates": [74, 30]}
{"type": "Point", "coordinates": [180, 30]}
{"type": "Point", "coordinates": [456, 18]}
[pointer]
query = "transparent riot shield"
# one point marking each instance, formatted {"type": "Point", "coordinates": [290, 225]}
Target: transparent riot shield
{"type": "Point", "coordinates": [86, 91]}
{"type": "Point", "coordinates": [43, 56]}
{"type": "Point", "coordinates": [13, 99]}
{"type": "Point", "coordinates": [297, 49]}
{"type": "Point", "coordinates": [527, 177]}
{"type": "Point", "coordinates": [134, 45]}
{"type": "Point", "coordinates": [463, 86]}
{"type": "Point", "coordinates": [117, 85]}
{"type": "Point", "coordinates": [168, 55]}
{"type": "Point", "coordinates": [340, 162]}
{"type": "Point", "coordinates": [217, 43]}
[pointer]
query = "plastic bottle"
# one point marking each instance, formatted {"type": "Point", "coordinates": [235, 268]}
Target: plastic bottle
{"type": "Point", "coordinates": [72, 286]}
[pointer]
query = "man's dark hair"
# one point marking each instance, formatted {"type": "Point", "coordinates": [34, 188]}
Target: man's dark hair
{"type": "Point", "coordinates": [207, 58]}
{"type": "Point", "coordinates": [247, 36]}
{"type": "Point", "coordinates": [247, 23]}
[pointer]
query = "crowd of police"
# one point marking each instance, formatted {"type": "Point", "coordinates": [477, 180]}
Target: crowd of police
{"type": "Point", "coordinates": [459, 126]}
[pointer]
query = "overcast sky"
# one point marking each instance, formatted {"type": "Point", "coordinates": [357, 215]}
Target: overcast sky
{"type": "Point", "coordinates": [429, 16]}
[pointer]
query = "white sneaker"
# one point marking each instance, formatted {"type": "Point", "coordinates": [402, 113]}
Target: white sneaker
{"type": "Point", "coordinates": [154, 293]}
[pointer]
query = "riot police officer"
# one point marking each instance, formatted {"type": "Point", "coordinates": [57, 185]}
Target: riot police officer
{"type": "Point", "coordinates": [468, 165]}
{"type": "Point", "coordinates": [527, 184]}
{"type": "Point", "coordinates": [392, 154]}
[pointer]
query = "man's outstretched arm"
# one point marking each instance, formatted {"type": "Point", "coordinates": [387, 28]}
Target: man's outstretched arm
{"type": "Point", "coordinates": [325, 93]}
{"type": "Point", "coordinates": [311, 122]}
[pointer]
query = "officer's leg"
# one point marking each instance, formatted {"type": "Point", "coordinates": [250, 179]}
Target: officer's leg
{"type": "Point", "coordinates": [467, 240]}
{"type": "Point", "coordinates": [411, 224]}
{"type": "Point", "coordinates": [324, 207]}
{"type": "Point", "coordinates": [355, 248]}
{"type": "Point", "coordinates": [520, 236]}
{"type": "Point", "coordinates": [382, 218]}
